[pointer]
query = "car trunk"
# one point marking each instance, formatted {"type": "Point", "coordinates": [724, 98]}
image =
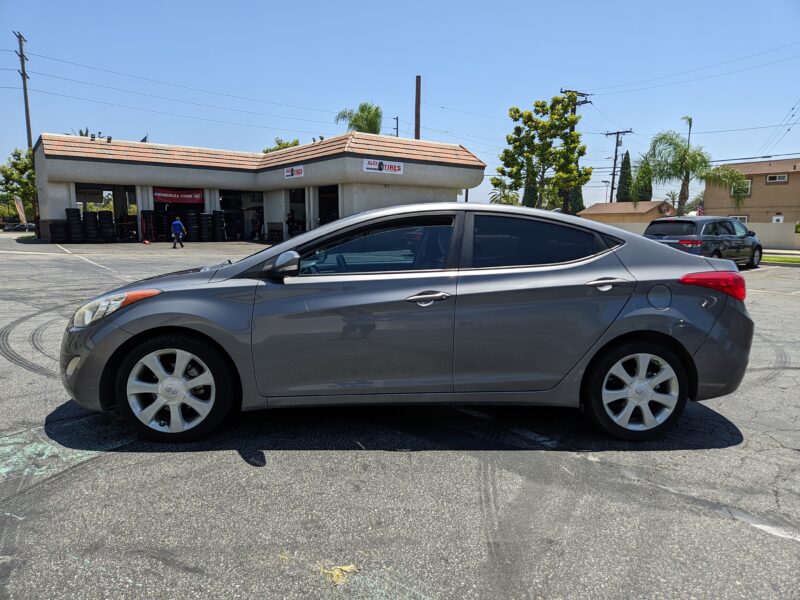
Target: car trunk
{"type": "Point", "coordinates": [677, 233]}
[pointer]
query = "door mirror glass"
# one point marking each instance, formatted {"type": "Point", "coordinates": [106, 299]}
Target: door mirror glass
{"type": "Point", "coordinates": [286, 265]}
{"type": "Point", "coordinates": [751, 233]}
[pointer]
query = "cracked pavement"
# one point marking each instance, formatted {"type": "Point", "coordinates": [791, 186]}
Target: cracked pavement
{"type": "Point", "coordinates": [429, 502]}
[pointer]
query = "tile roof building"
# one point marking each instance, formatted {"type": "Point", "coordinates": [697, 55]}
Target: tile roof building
{"type": "Point", "coordinates": [314, 183]}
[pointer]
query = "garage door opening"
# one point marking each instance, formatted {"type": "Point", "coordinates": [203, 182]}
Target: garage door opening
{"type": "Point", "coordinates": [107, 213]}
{"type": "Point", "coordinates": [296, 219]}
{"type": "Point", "coordinates": [177, 202]}
{"type": "Point", "coordinates": [328, 204]}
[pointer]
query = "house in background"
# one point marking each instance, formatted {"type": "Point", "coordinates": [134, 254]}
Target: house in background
{"type": "Point", "coordinates": [628, 212]}
{"type": "Point", "coordinates": [773, 194]}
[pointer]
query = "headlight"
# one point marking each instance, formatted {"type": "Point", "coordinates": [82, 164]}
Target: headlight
{"type": "Point", "coordinates": [103, 306]}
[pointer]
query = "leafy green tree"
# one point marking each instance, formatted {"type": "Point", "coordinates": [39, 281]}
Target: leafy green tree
{"type": "Point", "coordinates": [695, 202]}
{"type": "Point", "coordinates": [625, 179]}
{"type": "Point", "coordinates": [281, 144]}
{"type": "Point", "coordinates": [529, 194]}
{"type": "Point", "coordinates": [642, 186]}
{"type": "Point", "coordinates": [544, 149]}
{"type": "Point", "coordinates": [367, 118]}
{"type": "Point", "coordinates": [576, 200]}
{"type": "Point", "coordinates": [17, 179]}
{"type": "Point", "coordinates": [501, 194]}
{"type": "Point", "coordinates": [672, 158]}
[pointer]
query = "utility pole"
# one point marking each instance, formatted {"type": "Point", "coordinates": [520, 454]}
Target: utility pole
{"type": "Point", "coordinates": [23, 73]}
{"type": "Point", "coordinates": [582, 99]}
{"type": "Point", "coordinates": [397, 127]}
{"type": "Point", "coordinates": [22, 60]}
{"type": "Point", "coordinates": [616, 151]}
{"type": "Point", "coordinates": [417, 102]}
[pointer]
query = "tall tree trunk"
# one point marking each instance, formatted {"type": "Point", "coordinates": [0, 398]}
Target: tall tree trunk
{"type": "Point", "coordinates": [540, 191]}
{"type": "Point", "coordinates": [683, 196]}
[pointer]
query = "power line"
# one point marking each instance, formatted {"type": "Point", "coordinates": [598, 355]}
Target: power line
{"type": "Point", "coordinates": [177, 85]}
{"type": "Point", "coordinates": [652, 87]}
{"type": "Point", "coordinates": [466, 112]}
{"type": "Point", "coordinates": [172, 114]}
{"type": "Point", "coordinates": [179, 100]}
{"type": "Point", "coordinates": [786, 118]}
{"type": "Point", "coordinates": [727, 62]}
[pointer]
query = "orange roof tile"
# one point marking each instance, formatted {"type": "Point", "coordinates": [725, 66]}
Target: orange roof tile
{"type": "Point", "coordinates": [349, 144]}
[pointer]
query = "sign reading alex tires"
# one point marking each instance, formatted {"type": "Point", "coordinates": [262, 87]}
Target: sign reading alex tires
{"type": "Point", "coordinates": [293, 172]}
{"type": "Point", "coordinates": [373, 165]}
{"type": "Point", "coordinates": [175, 195]}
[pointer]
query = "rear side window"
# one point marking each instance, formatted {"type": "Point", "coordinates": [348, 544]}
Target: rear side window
{"type": "Point", "coordinates": [513, 241]}
{"type": "Point", "coordinates": [671, 228]}
{"type": "Point", "coordinates": [725, 228]}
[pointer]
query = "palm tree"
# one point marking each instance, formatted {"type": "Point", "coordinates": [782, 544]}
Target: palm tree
{"type": "Point", "coordinates": [366, 118]}
{"type": "Point", "coordinates": [673, 158]}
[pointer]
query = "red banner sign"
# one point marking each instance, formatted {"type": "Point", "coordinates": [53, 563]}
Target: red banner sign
{"type": "Point", "coordinates": [177, 195]}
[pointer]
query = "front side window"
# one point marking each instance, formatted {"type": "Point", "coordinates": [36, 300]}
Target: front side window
{"type": "Point", "coordinates": [513, 241]}
{"type": "Point", "coordinates": [408, 244]}
{"type": "Point", "coordinates": [726, 228]}
{"type": "Point", "coordinates": [740, 229]}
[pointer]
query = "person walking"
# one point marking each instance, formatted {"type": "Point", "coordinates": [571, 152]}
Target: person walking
{"type": "Point", "coordinates": [178, 231]}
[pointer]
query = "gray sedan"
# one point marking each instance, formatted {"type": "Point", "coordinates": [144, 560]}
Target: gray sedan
{"type": "Point", "coordinates": [419, 304]}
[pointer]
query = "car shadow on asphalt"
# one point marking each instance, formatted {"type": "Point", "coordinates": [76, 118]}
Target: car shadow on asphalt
{"type": "Point", "coordinates": [394, 429]}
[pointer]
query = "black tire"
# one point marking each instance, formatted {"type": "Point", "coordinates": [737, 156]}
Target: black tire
{"type": "Point", "coordinates": [224, 381]}
{"type": "Point", "coordinates": [716, 254]}
{"type": "Point", "coordinates": [595, 379]}
{"type": "Point", "coordinates": [755, 258]}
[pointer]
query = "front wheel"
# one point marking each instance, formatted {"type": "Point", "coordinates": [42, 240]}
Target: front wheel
{"type": "Point", "coordinates": [755, 259]}
{"type": "Point", "coordinates": [174, 388]}
{"type": "Point", "coordinates": [636, 391]}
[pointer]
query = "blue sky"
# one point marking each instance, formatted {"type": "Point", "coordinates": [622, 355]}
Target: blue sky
{"type": "Point", "coordinates": [285, 69]}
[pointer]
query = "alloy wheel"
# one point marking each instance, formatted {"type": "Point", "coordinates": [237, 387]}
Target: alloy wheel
{"type": "Point", "coordinates": [170, 390]}
{"type": "Point", "coordinates": [756, 257]}
{"type": "Point", "coordinates": [640, 391]}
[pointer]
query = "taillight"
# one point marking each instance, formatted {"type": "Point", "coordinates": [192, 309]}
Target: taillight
{"type": "Point", "coordinates": [727, 282]}
{"type": "Point", "coordinates": [690, 243]}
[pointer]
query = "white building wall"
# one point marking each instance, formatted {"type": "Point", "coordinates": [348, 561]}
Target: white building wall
{"type": "Point", "coordinates": [358, 197]}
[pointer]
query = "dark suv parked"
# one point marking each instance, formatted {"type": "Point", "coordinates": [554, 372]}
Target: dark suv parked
{"type": "Point", "coordinates": [717, 237]}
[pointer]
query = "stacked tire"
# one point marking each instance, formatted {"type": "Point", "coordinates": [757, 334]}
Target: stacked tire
{"type": "Point", "coordinates": [58, 232]}
{"type": "Point", "coordinates": [192, 225]}
{"type": "Point", "coordinates": [218, 225]}
{"type": "Point", "coordinates": [148, 223]}
{"type": "Point", "coordinates": [206, 227]}
{"type": "Point", "coordinates": [91, 226]}
{"type": "Point", "coordinates": [106, 228]}
{"type": "Point", "coordinates": [74, 225]}
{"type": "Point", "coordinates": [162, 225]}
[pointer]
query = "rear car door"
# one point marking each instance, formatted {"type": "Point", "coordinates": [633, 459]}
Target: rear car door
{"type": "Point", "coordinates": [371, 312]}
{"type": "Point", "coordinates": [533, 296]}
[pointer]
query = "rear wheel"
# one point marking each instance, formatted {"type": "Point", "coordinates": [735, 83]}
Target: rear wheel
{"type": "Point", "coordinates": [636, 391]}
{"type": "Point", "coordinates": [716, 254]}
{"type": "Point", "coordinates": [174, 388]}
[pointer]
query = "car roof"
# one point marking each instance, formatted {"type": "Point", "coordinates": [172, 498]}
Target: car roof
{"type": "Point", "coordinates": [702, 219]}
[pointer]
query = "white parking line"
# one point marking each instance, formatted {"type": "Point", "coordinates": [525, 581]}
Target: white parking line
{"type": "Point", "coordinates": [773, 292]}
{"type": "Point", "coordinates": [64, 249]}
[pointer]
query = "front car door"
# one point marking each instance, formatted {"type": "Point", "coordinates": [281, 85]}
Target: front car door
{"type": "Point", "coordinates": [745, 241]}
{"type": "Point", "coordinates": [731, 243]}
{"type": "Point", "coordinates": [533, 296]}
{"type": "Point", "coordinates": [371, 312]}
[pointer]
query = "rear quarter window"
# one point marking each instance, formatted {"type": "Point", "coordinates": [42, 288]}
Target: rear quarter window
{"type": "Point", "coordinates": [513, 241]}
{"type": "Point", "coordinates": [671, 228]}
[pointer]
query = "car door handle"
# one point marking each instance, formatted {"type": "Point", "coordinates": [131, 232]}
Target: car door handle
{"type": "Point", "coordinates": [428, 297]}
{"type": "Point", "coordinates": [606, 283]}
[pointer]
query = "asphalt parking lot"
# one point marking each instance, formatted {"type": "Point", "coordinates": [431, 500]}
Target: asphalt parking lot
{"type": "Point", "coordinates": [427, 502]}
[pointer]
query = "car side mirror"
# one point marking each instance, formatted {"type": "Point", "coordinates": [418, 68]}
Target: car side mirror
{"type": "Point", "coordinates": [751, 233]}
{"type": "Point", "coordinates": [286, 265]}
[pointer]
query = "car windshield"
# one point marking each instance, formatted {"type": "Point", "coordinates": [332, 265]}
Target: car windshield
{"type": "Point", "coordinates": [665, 228]}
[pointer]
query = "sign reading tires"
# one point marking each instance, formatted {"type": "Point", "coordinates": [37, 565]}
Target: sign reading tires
{"type": "Point", "coordinates": [373, 165]}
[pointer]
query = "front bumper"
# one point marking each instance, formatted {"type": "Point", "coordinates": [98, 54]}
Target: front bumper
{"type": "Point", "coordinates": [721, 360]}
{"type": "Point", "coordinates": [87, 350]}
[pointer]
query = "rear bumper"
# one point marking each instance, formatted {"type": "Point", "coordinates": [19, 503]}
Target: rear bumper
{"type": "Point", "coordinates": [721, 360]}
